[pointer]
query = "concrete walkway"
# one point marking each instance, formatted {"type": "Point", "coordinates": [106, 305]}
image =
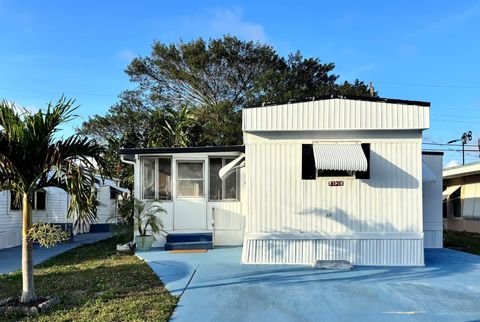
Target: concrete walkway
{"type": "Point", "coordinates": [221, 289]}
{"type": "Point", "coordinates": [11, 258]}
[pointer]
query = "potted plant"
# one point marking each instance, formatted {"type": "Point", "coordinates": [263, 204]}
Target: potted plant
{"type": "Point", "coordinates": [147, 222]}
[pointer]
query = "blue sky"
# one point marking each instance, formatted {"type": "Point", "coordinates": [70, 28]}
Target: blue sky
{"type": "Point", "coordinates": [420, 51]}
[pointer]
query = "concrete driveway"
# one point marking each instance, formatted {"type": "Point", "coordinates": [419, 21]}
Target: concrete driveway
{"type": "Point", "coordinates": [214, 286]}
{"type": "Point", "coordinates": [11, 258]}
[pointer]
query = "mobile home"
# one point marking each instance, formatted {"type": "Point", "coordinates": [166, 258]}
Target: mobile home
{"type": "Point", "coordinates": [461, 197]}
{"type": "Point", "coordinates": [330, 178]}
{"type": "Point", "coordinates": [51, 206]}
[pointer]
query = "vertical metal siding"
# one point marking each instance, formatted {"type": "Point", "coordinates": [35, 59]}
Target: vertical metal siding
{"type": "Point", "coordinates": [335, 114]}
{"type": "Point", "coordinates": [385, 252]}
{"type": "Point", "coordinates": [432, 203]}
{"type": "Point", "coordinates": [279, 201]}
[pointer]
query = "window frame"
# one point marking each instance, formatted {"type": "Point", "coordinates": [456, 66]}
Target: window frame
{"type": "Point", "coordinates": [237, 180]}
{"type": "Point", "coordinates": [156, 178]}
{"type": "Point", "coordinates": [178, 179]}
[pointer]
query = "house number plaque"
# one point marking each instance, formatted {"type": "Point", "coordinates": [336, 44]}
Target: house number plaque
{"type": "Point", "coordinates": [335, 183]}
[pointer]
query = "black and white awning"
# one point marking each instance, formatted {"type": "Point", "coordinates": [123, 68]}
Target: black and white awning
{"type": "Point", "coordinates": [340, 156]}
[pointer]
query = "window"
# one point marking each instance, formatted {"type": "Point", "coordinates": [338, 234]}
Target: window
{"type": "Point", "coordinates": [190, 179]}
{"type": "Point", "coordinates": [309, 170]}
{"type": "Point", "coordinates": [14, 205]}
{"type": "Point", "coordinates": [226, 188]}
{"type": "Point", "coordinates": [113, 194]}
{"type": "Point", "coordinates": [457, 204]}
{"type": "Point", "coordinates": [334, 173]}
{"type": "Point", "coordinates": [148, 178]}
{"type": "Point", "coordinates": [164, 179]}
{"type": "Point", "coordinates": [156, 178]}
{"type": "Point", "coordinates": [38, 201]}
{"type": "Point", "coordinates": [41, 198]}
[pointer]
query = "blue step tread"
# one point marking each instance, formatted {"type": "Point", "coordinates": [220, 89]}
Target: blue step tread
{"type": "Point", "coordinates": [189, 245]}
{"type": "Point", "coordinates": [189, 237]}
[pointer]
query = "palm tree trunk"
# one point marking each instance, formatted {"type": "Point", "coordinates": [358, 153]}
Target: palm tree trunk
{"type": "Point", "coordinates": [28, 290]}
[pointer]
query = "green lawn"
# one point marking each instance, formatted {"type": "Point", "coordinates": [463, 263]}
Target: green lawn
{"type": "Point", "coordinates": [95, 285]}
{"type": "Point", "coordinates": [462, 241]}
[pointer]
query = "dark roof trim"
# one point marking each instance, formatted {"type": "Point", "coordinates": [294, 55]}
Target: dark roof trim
{"type": "Point", "coordinates": [197, 149]}
{"type": "Point", "coordinates": [432, 152]}
{"type": "Point", "coordinates": [355, 98]}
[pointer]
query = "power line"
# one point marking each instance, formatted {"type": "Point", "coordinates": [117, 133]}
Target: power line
{"type": "Point", "coordinates": [428, 85]}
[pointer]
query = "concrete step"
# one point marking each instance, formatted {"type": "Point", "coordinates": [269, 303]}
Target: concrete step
{"type": "Point", "coordinates": [189, 237]}
{"type": "Point", "coordinates": [189, 245]}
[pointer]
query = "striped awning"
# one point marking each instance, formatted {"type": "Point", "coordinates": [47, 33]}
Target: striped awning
{"type": "Point", "coordinates": [341, 156]}
{"type": "Point", "coordinates": [447, 192]}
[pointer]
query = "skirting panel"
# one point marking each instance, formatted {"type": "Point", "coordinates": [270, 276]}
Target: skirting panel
{"type": "Point", "coordinates": [433, 239]}
{"type": "Point", "coordinates": [383, 252]}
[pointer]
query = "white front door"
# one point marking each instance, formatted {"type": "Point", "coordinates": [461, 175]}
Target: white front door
{"type": "Point", "coordinates": [190, 195]}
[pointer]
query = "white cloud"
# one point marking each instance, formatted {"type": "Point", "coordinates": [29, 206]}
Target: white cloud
{"type": "Point", "coordinates": [126, 54]}
{"type": "Point", "coordinates": [220, 21]}
{"type": "Point", "coordinates": [448, 22]}
{"type": "Point", "coordinates": [452, 163]}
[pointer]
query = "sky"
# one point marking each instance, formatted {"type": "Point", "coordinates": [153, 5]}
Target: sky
{"type": "Point", "coordinates": [428, 51]}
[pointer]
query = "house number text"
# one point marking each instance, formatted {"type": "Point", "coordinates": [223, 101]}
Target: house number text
{"type": "Point", "coordinates": [335, 183]}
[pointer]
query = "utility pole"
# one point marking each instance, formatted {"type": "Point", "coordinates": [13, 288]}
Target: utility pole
{"type": "Point", "coordinates": [466, 137]}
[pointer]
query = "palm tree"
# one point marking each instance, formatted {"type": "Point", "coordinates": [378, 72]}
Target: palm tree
{"type": "Point", "coordinates": [32, 158]}
{"type": "Point", "coordinates": [177, 126]}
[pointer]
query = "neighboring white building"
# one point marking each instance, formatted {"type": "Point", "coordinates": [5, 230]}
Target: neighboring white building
{"type": "Point", "coordinates": [332, 178]}
{"type": "Point", "coordinates": [461, 197]}
{"type": "Point", "coordinates": [51, 206]}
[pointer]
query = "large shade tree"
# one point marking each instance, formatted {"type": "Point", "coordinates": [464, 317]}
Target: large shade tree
{"type": "Point", "coordinates": [214, 79]}
{"type": "Point", "coordinates": [33, 158]}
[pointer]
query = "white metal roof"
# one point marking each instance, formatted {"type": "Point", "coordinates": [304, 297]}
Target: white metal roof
{"type": "Point", "coordinates": [347, 157]}
{"type": "Point", "coordinates": [461, 170]}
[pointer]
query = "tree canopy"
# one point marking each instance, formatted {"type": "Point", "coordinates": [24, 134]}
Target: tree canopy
{"type": "Point", "coordinates": [193, 93]}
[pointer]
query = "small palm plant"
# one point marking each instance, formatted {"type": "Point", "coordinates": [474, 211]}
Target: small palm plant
{"type": "Point", "coordinates": [33, 158]}
{"type": "Point", "coordinates": [147, 222]}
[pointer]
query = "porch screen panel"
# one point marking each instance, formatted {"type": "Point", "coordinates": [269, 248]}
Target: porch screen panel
{"type": "Point", "coordinates": [190, 179]}
{"type": "Point", "coordinates": [148, 179]}
{"type": "Point", "coordinates": [164, 186]}
{"type": "Point", "coordinates": [215, 181]}
{"type": "Point", "coordinates": [231, 183]}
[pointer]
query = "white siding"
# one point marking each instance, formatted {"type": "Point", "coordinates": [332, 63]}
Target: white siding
{"type": "Point", "coordinates": [280, 202]}
{"type": "Point", "coordinates": [384, 252]}
{"type": "Point", "coordinates": [55, 212]}
{"type": "Point", "coordinates": [107, 210]}
{"type": "Point", "coordinates": [229, 222]}
{"type": "Point", "coordinates": [10, 223]}
{"type": "Point", "coordinates": [432, 203]}
{"type": "Point", "coordinates": [335, 114]}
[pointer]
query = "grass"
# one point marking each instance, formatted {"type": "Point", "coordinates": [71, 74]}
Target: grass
{"type": "Point", "coordinates": [95, 284]}
{"type": "Point", "coordinates": [462, 241]}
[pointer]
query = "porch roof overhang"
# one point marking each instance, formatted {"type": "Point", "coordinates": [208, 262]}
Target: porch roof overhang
{"type": "Point", "coordinates": [196, 149]}
{"type": "Point", "coordinates": [345, 157]}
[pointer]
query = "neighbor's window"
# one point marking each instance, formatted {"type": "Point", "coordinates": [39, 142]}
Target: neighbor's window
{"type": "Point", "coordinates": [40, 199]}
{"type": "Point", "coordinates": [113, 194]}
{"type": "Point", "coordinates": [156, 178]}
{"type": "Point", "coordinates": [222, 189]}
{"type": "Point", "coordinates": [190, 179]}
{"type": "Point", "coordinates": [13, 204]}
{"type": "Point", "coordinates": [457, 203]}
